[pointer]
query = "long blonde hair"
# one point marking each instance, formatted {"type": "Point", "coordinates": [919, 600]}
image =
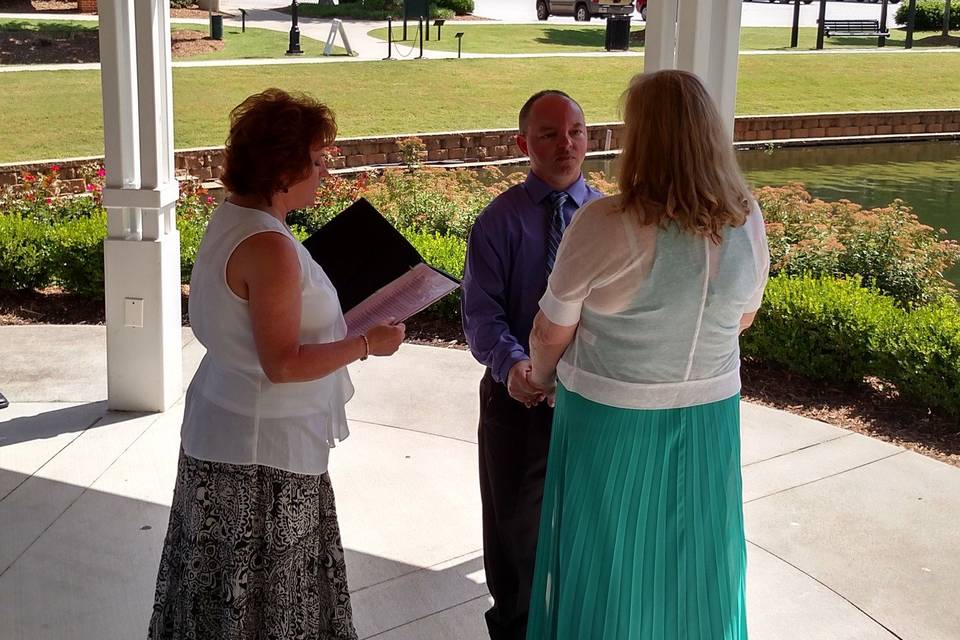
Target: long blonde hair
{"type": "Point", "coordinates": [677, 162]}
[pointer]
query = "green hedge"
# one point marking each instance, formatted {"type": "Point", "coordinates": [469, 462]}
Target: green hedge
{"type": "Point", "coordinates": [923, 355]}
{"type": "Point", "coordinates": [24, 253]}
{"type": "Point", "coordinates": [836, 330]}
{"type": "Point", "coordinates": [459, 7]}
{"type": "Point", "coordinates": [448, 254]}
{"type": "Point", "coordinates": [822, 328]}
{"type": "Point", "coordinates": [37, 254]}
{"type": "Point", "coordinates": [76, 251]}
{"type": "Point", "coordinates": [873, 306]}
{"type": "Point", "coordinates": [929, 15]}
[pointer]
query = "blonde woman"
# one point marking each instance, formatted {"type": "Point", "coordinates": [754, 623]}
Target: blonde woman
{"type": "Point", "coordinates": [641, 532]}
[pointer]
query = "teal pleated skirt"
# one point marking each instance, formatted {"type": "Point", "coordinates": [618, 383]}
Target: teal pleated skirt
{"type": "Point", "coordinates": [641, 529]}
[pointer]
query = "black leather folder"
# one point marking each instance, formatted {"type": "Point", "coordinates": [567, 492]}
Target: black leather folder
{"type": "Point", "coordinates": [364, 255]}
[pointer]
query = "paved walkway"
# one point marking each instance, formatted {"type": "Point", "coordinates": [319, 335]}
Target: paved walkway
{"type": "Point", "coordinates": [849, 538]}
{"type": "Point", "coordinates": [367, 48]}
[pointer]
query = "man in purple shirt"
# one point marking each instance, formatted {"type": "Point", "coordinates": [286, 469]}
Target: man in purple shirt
{"type": "Point", "coordinates": [509, 254]}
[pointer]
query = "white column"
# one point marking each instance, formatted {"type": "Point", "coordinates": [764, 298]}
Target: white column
{"type": "Point", "coordinates": [725, 58]}
{"type": "Point", "coordinates": [694, 31]}
{"type": "Point", "coordinates": [660, 49]}
{"type": "Point", "coordinates": [708, 44]}
{"type": "Point", "coordinates": [142, 248]}
{"type": "Point", "coordinates": [700, 36]}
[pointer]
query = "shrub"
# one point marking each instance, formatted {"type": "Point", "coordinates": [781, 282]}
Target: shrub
{"type": "Point", "coordinates": [334, 195]}
{"type": "Point", "coordinates": [24, 253]}
{"type": "Point", "coordinates": [413, 152]}
{"type": "Point", "coordinates": [39, 197]}
{"type": "Point", "coordinates": [924, 355]}
{"type": "Point", "coordinates": [77, 254]}
{"type": "Point", "coordinates": [837, 330]}
{"type": "Point", "coordinates": [458, 7]}
{"type": "Point", "coordinates": [823, 328]}
{"type": "Point", "coordinates": [929, 15]}
{"type": "Point", "coordinates": [191, 233]}
{"type": "Point", "coordinates": [440, 12]}
{"type": "Point", "coordinates": [443, 252]}
{"type": "Point", "coordinates": [447, 254]}
{"type": "Point", "coordinates": [194, 209]}
{"type": "Point", "coordinates": [429, 200]}
{"type": "Point", "coordinates": [887, 246]}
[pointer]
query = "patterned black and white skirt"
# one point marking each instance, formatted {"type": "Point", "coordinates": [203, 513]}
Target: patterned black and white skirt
{"type": "Point", "coordinates": [251, 552]}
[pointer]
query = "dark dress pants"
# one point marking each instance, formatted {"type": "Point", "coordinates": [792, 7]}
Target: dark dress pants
{"type": "Point", "coordinates": [513, 444]}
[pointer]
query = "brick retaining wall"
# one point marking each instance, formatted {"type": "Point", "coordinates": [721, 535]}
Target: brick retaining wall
{"type": "Point", "coordinates": [500, 144]}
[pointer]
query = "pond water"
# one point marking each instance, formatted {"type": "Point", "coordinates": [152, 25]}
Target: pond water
{"type": "Point", "coordinates": [926, 175]}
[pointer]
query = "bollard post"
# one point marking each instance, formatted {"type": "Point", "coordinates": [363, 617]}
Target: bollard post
{"type": "Point", "coordinates": [820, 25]}
{"type": "Point", "coordinates": [420, 29]}
{"type": "Point", "coordinates": [294, 48]}
{"type": "Point", "coordinates": [795, 30]}
{"type": "Point", "coordinates": [881, 41]}
{"type": "Point", "coordinates": [389, 38]}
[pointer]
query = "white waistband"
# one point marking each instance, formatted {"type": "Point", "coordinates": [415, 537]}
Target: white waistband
{"type": "Point", "coordinates": [638, 395]}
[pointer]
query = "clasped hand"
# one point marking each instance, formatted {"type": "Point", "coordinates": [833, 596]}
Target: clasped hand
{"type": "Point", "coordinates": [523, 387]}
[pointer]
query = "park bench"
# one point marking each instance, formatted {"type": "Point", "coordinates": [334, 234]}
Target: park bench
{"type": "Point", "coordinates": [853, 28]}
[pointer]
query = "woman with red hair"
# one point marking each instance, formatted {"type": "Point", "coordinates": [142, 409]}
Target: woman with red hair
{"type": "Point", "coordinates": [253, 546]}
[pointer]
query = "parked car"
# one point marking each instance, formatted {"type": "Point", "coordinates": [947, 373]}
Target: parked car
{"type": "Point", "coordinates": [583, 10]}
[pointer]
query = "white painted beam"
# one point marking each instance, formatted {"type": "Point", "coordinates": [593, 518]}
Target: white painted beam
{"type": "Point", "coordinates": [142, 249]}
{"type": "Point", "coordinates": [660, 49]}
{"type": "Point", "coordinates": [724, 58]}
{"type": "Point", "coordinates": [700, 36]}
{"type": "Point", "coordinates": [695, 29]}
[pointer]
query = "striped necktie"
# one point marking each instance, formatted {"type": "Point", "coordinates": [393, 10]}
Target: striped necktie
{"type": "Point", "coordinates": [555, 200]}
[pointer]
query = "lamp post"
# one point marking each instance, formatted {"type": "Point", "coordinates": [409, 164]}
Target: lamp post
{"type": "Point", "coordinates": [294, 48]}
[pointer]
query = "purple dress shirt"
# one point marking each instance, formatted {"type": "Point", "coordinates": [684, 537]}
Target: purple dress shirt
{"type": "Point", "coordinates": [505, 273]}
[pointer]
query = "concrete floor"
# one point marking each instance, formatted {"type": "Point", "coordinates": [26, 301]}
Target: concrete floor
{"type": "Point", "coordinates": [848, 537]}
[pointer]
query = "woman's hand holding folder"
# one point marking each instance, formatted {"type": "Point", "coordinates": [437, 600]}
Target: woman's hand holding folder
{"type": "Point", "coordinates": [384, 339]}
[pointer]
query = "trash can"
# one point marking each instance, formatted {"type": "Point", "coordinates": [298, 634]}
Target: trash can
{"type": "Point", "coordinates": [216, 27]}
{"type": "Point", "coordinates": [618, 33]}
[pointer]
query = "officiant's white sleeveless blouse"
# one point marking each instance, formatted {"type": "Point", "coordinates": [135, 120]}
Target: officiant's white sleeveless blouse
{"type": "Point", "coordinates": [658, 309]}
{"type": "Point", "coordinates": [233, 413]}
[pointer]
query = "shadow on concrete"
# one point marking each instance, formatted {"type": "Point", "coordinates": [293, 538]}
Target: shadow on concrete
{"type": "Point", "coordinates": [88, 569]}
{"type": "Point", "coordinates": [49, 424]}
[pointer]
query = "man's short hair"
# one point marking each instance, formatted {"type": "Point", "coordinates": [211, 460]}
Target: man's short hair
{"type": "Point", "coordinates": [528, 105]}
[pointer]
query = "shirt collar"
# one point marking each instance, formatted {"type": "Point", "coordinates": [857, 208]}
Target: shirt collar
{"type": "Point", "coordinates": [538, 189]}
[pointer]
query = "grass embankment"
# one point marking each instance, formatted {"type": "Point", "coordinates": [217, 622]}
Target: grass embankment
{"type": "Point", "coordinates": [58, 114]}
{"type": "Point", "coordinates": [573, 38]}
{"type": "Point", "coordinates": [67, 34]}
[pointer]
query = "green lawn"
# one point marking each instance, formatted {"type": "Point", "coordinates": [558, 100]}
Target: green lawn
{"type": "Point", "coordinates": [57, 114]}
{"type": "Point", "coordinates": [45, 27]}
{"type": "Point", "coordinates": [255, 43]}
{"type": "Point", "coordinates": [567, 38]}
